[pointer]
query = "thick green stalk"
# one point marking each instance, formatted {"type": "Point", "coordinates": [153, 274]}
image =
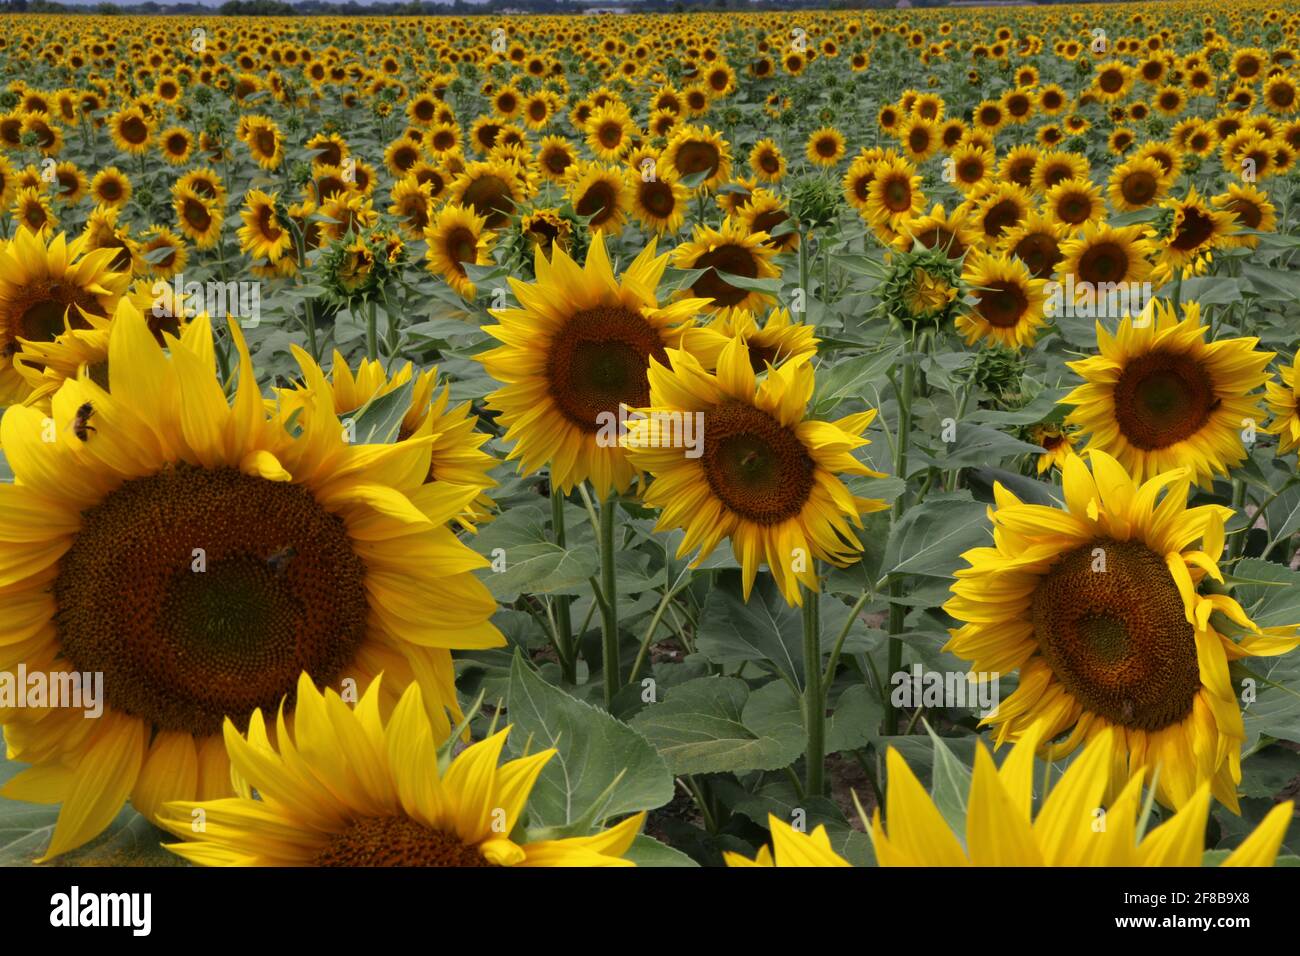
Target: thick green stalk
{"type": "Point", "coordinates": [609, 586]}
{"type": "Point", "coordinates": [897, 612]}
{"type": "Point", "coordinates": [565, 648]}
{"type": "Point", "coordinates": [814, 696]}
{"type": "Point", "coordinates": [372, 333]}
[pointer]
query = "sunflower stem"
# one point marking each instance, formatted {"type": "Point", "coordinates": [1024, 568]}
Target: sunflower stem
{"type": "Point", "coordinates": [814, 696]}
{"type": "Point", "coordinates": [563, 621]}
{"type": "Point", "coordinates": [372, 334]}
{"type": "Point", "coordinates": [897, 612]}
{"type": "Point", "coordinates": [609, 585]}
{"type": "Point", "coordinates": [803, 273]}
{"type": "Point", "coordinates": [1237, 544]}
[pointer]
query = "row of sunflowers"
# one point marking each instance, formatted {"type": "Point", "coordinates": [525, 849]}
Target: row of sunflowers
{"type": "Point", "coordinates": [801, 439]}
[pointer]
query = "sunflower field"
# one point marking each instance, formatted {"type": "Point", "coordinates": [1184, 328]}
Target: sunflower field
{"type": "Point", "coordinates": [854, 438]}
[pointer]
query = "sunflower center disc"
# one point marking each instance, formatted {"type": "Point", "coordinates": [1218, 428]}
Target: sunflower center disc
{"type": "Point", "coordinates": [1162, 398]}
{"type": "Point", "coordinates": [599, 360]}
{"type": "Point", "coordinates": [755, 465]}
{"type": "Point", "coordinates": [733, 260]}
{"type": "Point", "coordinates": [185, 637]}
{"type": "Point", "coordinates": [1117, 638]}
{"type": "Point", "coordinates": [1003, 304]}
{"type": "Point", "coordinates": [396, 841]}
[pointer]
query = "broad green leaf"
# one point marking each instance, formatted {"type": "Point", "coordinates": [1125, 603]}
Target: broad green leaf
{"type": "Point", "coordinates": [930, 538]}
{"type": "Point", "coordinates": [592, 750]}
{"type": "Point", "coordinates": [701, 727]}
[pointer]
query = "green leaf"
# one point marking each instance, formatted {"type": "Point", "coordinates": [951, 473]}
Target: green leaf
{"type": "Point", "coordinates": [982, 445]}
{"type": "Point", "coordinates": [714, 725]}
{"type": "Point", "coordinates": [647, 851]}
{"type": "Point", "coordinates": [533, 564]}
{"type": "Point", "coordinates": [930, 538]}
{"type": "Point", "coordinates": [849, 378]}
{"type": "Point", "coordinates": [950, 784]}
{"type": "Point", "coordinates": [763, 629]}
{"type": "Point", "coordinates": [855, 721]}
{"type": "Point", "coordinates": [379, 421]}
{"type": "Point", "coordinates": [592, 750]}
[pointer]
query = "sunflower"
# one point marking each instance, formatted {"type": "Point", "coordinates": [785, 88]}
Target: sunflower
{"type": "Point", "coordinates": [768, 476]}
{"type": "Point", "coordinates": [554, 157]}
{"type": "Point", "coordinates": [1002, 829]}
{"type": "Point", "coordinates": [601, 195]}
{"type": "Point", "coordinates": [70, 183]}
{"type": "Point", "coordinates": [308, 548]}
{"type": "Point", "coordinates": [1056, 166]}
{"type": "Point", "coordinates": [1284, 404]}
{"type": "Point", "coordinates": [456, 236]}
{"type": "Point", "coordinates": [1105, 254]}
{"type": "Point", "coordinates": [969, 167]}
{"type": "Point", "coordinates": [825, 147]}
{"type": "Point", "coordinates": [1018, 164]}
{"type": "Point", "coordinates": [301, 802]}
{"type": "Point", "coordinates": [198, 218]}
{"type": "Point", "coordinates": [1008, 309]}
{"type": "Point", "coordinates": [164, 253]}
{"type": "Point", "coordinates": [577, 350]}
{"type": "Point", "coordinates": [950, 233]}
{"type": "Point", "coordinates": [1057, 444]}
{"type": "Point", "coordinates": [1002, 208]}
{"type": "Point", "coordinates": [658, 202]}
{"type": "Point", "coordinates": [894, 194]}
{"type": "Point", "coordinates": [768, 213]}
{"type": "Point", "coordinates": [1196, 229]}
{"type": "Point", "coordinates": [1073, 202]}
{"type": "Point", "coordinates": [492, 189]}
{"type": "Point", "coordinates": [1136, 184]}
{"type": "Point", "coordinates": [698, 153]}
{"type": "Point", "coordinates": [176, 145]}
{"type": "Point", "coordinates": [609, 132]}
{"type": "Point", "coordinates": [729, 250]}
{"type": "Point", "coordinates": [131, 131]}
{"type": "Point", "coordinates": [1036, 241]}
{"type": "Point", "coordinates": [263, 236]}
{"type": "Point", "coordinates": [262, 136]}
{"type": "Point", "coordinates": [47, 289]}
{"type": "Point", "coordinates": [1112, 81]}
{"type": "Point", "coordinates": [989, 116]}
{"type": "Point", "coordinates": [1281, 95]}
{"type": "Point", "coordinates": [1097, 606]}
{"type": "Point", "coordinates": [767, 162]}
{"type": "Point", "coordinates": [31, 210]}
{"type": "Point", "coordinates": [777, 341]}
{"type": "Point", "coordinates": [1157, 396]}
{"type": "Point", "coordinates": [327, 149]}
{"type": "Point", "coordinates": [103, 232]}
{"type": "Point", "coordinates": [790, 847]}
{"type": "Point", "coordinates": [1251, 209]}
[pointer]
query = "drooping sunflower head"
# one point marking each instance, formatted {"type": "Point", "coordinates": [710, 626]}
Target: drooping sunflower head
{"type": "Point", "coordinates": [729, 250]}
{"type": "Point", "coordinates": [766, 475]}
{"type": "Point", "coordinates": [202, 557]}
{"type": "Point", "coordinates": [1098, 607]}
{"type": "Point", "coordinates": [301, 802]}
{"type": "Point", "coordinates": [576, 350]}
{"type": "Point", "coordinates": [48, 288]}
{"type": "Point", "coordinates": [1159, 397]}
